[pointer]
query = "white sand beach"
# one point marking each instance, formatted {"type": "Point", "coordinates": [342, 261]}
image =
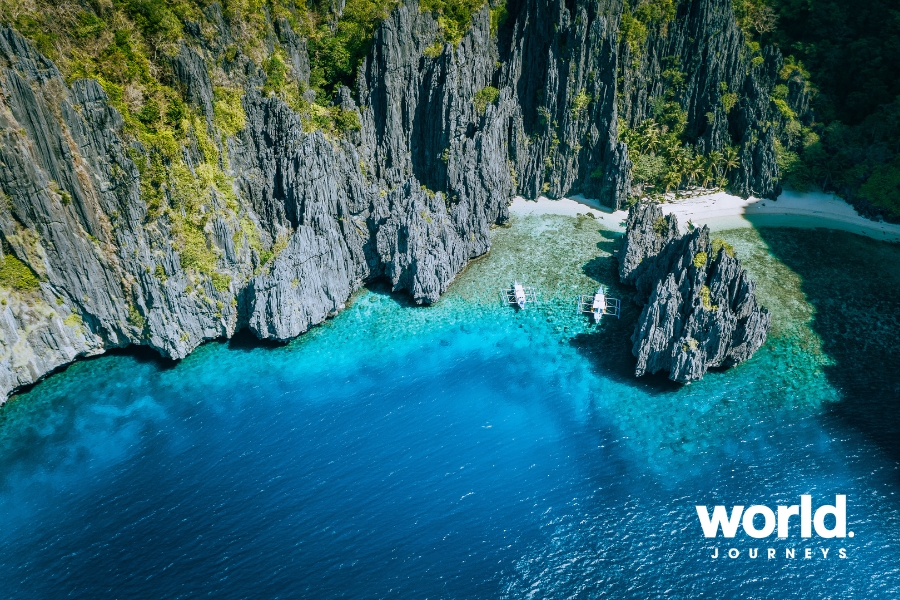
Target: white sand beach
{"type": "Point", "coordinates": [721, 211]}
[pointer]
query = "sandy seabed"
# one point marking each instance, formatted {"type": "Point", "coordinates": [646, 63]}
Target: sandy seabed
{"type": "Point", "coordinates": [722, 211]}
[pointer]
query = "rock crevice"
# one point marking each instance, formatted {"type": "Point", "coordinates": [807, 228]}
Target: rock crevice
{"type": "Point", "coordinates": [700, 308]}
{"type": "Point", "coordinates": [293, 220]}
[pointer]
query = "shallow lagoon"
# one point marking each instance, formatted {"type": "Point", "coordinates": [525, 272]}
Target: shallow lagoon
{"type": "Point", "coordinates": [467, 450]}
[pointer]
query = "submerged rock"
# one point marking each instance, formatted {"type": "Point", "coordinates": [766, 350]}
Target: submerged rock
{"type": "Point", "coordinates": [700, 307]}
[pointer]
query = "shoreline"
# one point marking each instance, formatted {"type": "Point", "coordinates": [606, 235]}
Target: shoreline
{"type": "Point", "coordinates": [722, 211]}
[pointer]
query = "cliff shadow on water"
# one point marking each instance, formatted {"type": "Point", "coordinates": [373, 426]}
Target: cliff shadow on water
{"type": "Point", "coordinates": [142, 355]}
{"type": "Point", "coordinates": [244, 341]}
{"type": "Point", "coordinates": [381, 286]}
{"type": "Point", "coordinates": [607, 347]}
{"type": "Point", "coordinates": [853, 284]}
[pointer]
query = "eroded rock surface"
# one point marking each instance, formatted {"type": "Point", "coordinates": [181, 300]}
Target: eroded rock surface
{"type": "Point", "coordinates": [700, 308]}
{"type": "Point", "coordinates": [295, 220]}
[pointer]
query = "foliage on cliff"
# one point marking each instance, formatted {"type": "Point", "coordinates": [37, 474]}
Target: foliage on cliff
{"type": "Point", "coordinates": [128, 42]}
{"type": "Point", "coordinates": [128, 47]}
{"type": "Point", "coordinates": [14, 274]}
{"type": "Point", "coordinates": [663, 162]}
{"type": "Point", "coordinates": [840, 55]}
{"type": "Point", "coordinates": [337, 45]}
{"type": "Point", "coordinates": [454, 16]}
{"type": "Point", "coordinates": [848, 50]}
{"type": "Point", "coordinates": [662, 155]}
{"type": "Point", "coordinates": [638, 15]}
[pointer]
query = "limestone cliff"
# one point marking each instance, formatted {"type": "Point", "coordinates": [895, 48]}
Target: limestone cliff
{"type": "Point", "coordinates": [700, 307]}
{"type": "Point", "coordinates": [270, 224]}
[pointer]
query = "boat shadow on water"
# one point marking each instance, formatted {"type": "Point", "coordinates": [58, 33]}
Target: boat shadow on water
{"type": "Point", "coordinates": [607, 348]}
{"type": "Point", "coordinates": [853, 283]}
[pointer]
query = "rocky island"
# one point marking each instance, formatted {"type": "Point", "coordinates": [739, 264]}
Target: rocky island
{"type": "Point", "coordinates": [700, 310]}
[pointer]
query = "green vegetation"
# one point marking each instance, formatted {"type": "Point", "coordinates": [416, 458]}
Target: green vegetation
{"type": "Point", "coordinates": [784, 108]}
{"type": "Point", "coordinates": [484, 97]}
{"type": "Point", "coordinates": [126, 46]}
{"type": "Point", "coordinates": [435, 50]}
{"type": "Point", "coordinates": [755, 17]}
{"type": "Point", "coordinates": [221, 282]}
{"type": "Point", "coordinates": [277, 248]}
{"type": "Point", "coordinates": [848, 51]}
{"type": "Point", "coordinates": [728, 99]}
{"type": "Point", "coordinates": [337, 49]}
{"type": "Point", "coordinates": [660, 226]}
{"type": "Point", "coordinates": [706, 299]}
{"type": "Point", "coordinates": [499, 14]}
{"type": "Point", "coordinates": [635, 20]}
{"type": "Point", "coordinates": [580, 103]}
{"type": "Point", "coordinates": [662, 161]}
{"type": "Point", "coordinates": [861, 162]}
{"type": "Point", "coordinates": [455, 16]}
{"type": "Point", "coordinates": [73, 320]}
{"type": "Point", "coordinates": [882, 188]}
{"type": "Point", "coordinates": [16, 275]}
{"type": "Point", "coordinates": [662, 157]}
{"type": "Point", "coordinates": [718, 244]}
{"type": "Point", "coordinates": [700, 260]}
{"type": "Point", "coordinates": [276, 75]}
{"type": "Point", "coordinates": [136, 319]}
{"type": "Point", "coordinates": [844, 55]}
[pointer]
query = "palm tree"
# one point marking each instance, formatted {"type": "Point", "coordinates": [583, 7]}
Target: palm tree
{"type": "Point", "coordinates": [694, 170]}
{"type": "Point", "coordinates": [732, 160]}
{"type": "Point", "coordinates": [681, 161]}
{"type": "Point", "coordinates": [632, 139]}
{"type": "Point", "coordinates": [715, 160]}
{"type": "Point", "coordinates": [708, 176]}
{"type": "Point", "coordinates": [672, 179]}
{"type": "Point", "coordinates": [650, 136]}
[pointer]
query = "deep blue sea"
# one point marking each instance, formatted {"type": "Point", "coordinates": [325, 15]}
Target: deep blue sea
{"type": "Point", "coordinates": [465, 450]}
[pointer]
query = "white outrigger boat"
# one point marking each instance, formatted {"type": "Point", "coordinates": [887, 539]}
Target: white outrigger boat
{"type": "Point", "coordinates": [519, 295]}
{"type": "Point", "coordinates": [599, 304]}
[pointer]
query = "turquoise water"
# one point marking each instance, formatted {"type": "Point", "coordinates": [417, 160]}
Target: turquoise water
{"type": "Point", "coordinates": [467, 450]}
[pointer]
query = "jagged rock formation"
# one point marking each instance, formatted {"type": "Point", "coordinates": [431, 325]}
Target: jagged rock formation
{"type": "Point", "coordinates": [293, 221]}
{"type": "Point", "coordinates": [700, 309]}
{"type": "Point", "coordinates": [705, 47]}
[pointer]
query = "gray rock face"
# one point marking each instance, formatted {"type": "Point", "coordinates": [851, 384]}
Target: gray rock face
{"type": "Point", "coordinates": [190, 71]}
{"type": "Point", "coordinates": [700, 308]}
{"type": "Point", "coordinates": [647, 232]}
{"type": "Point", "coordinates": [705, 47]}
{"type": "Point", "coordinates": [300, 220]}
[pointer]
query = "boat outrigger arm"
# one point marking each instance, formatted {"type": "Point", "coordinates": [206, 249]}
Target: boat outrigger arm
{"type": "Point", "coordinates": [519, 295]}
{"type": "Point", "coordinates": [599, 304]}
